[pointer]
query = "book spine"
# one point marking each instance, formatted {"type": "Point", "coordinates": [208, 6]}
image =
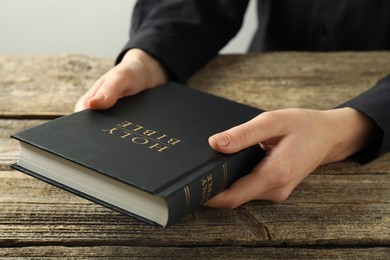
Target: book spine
{"type": "Point", "coordinates": [208, 181]}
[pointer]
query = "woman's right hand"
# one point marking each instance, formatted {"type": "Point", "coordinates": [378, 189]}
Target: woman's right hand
{"type": "Point", "coordinates": [136, 72]}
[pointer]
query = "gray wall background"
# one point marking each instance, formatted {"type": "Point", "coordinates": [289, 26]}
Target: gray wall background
{"type": "Point", "coordinates": [91, 27]}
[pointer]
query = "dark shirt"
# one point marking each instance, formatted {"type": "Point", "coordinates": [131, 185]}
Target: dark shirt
{"type": "Point", "coordinates": [322, 25]}
{"type": "Point", "coordinates": [186, 34]}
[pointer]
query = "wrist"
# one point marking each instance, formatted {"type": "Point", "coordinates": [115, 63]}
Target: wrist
{"type": "Point", "coordinates": [153, 72]}
{"type": "Point", "coordinates": [352, 132]}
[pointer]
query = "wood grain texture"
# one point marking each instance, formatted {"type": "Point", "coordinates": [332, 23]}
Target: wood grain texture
{"type": "Point", "coordinates": [9, 148]}
{"type": "Point", "coordinates": [323, 210]}
{"type": "Point", "coordinates": [340, 211]}
{"type": "Point", "coordinates": [50, 86]}
{"type": "Point", "coordinates": [127, 252]}
{"type": "Point", "coordinates": [46, 85]}
{"type": "Point", "coordinates": [290, 79]}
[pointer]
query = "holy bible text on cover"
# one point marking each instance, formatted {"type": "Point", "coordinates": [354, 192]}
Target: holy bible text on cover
{"type": "Point", "coordinates": [147, 157]}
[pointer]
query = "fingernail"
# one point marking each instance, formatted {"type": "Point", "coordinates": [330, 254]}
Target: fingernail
{"type": "Point", "coordinates": [221, 139]}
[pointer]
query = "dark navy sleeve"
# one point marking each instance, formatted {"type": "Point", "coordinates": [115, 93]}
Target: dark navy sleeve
{"type": "Point", "coordinates": [184, 35]}
{"type": "Point", "coordinates": [375, 103]}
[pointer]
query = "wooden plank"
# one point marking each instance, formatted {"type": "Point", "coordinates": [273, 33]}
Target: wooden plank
{"type": "Point", "coordinates": [126, 252]}
{"type": "Point", "coordinates": [47, 86]}
{"type": "Point", "coordinates": [9, 148]}
{"type": "Point", "coordinates": [326, 209]}
{"type": "Point", "coordinates": [323, 210]}
{"type": "Point", "coordinates": [34, 212]}
{"type": "Point", "coordinates": [380, 165]}
{"type": "Point", "coordinates": [340, 211]}
{"type": "Point", "coordinates": [293, 79]}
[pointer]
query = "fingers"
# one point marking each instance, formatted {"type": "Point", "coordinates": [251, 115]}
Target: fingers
{"type": "Point", "coordinates": [82, 103]}
{"type": "Point", "coordinates": [296, 142]}
{"type": "Point", "coordinates": [261, 128]}
{"type": "Point", "coordinates": [136, 72]}
{"type": "Point", "coordinates": [106, 91]}
{"type": "Point", "coordinates": [273, 179]}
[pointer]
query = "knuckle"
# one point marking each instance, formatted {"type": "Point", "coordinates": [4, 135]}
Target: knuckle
{"type": "Point", "coordinates": [268, 117]}
{"type": "Point", "coordinates": [241, 134]}
{"type": "Point", "coordinates": [280, 195]}
{"type": "Point", "coordinates": [121, 74]}
{"type": "Point", "coordinates": [281, 182]}
{"type": "Point", "coordinates": [281, 178]}
{"type": "Point", "coordinates": [121, 70]}
{"type": "Point", "coordinates": [276, 120]}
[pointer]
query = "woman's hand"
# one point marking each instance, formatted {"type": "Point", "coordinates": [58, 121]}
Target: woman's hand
{"type": "Point", "coordinates": [136, 72]}
{"type": "Point", "coordinates": [296, 142]}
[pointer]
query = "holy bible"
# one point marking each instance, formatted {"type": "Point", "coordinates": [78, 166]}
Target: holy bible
{"type": "Point", "coordinates": [147, 157]}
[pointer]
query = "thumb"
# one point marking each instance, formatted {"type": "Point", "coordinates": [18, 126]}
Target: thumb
{"type": "Point", "coordinates": [242, 136]}
{"type": "Point", "coordinates": [102, 101]}
{"type": "Point", "coordinates": [112, 87]}
{"type": "Point", "coordinates": [101, 96]}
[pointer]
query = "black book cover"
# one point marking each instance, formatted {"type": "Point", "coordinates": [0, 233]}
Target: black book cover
{"type": "Point", "coordinates": [156, 141]}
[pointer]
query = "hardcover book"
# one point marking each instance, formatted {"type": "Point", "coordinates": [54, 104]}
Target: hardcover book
{"type": "Point", "coordinates": [147, 157]}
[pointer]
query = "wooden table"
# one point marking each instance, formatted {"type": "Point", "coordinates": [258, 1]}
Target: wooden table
{"type": "Point", "coordinates": [342, 210]}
